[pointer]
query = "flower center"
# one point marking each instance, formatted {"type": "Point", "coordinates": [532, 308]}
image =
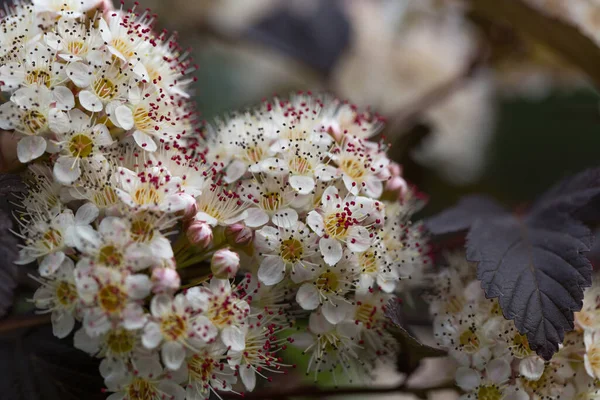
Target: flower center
{"type": "Point", "coordinates": [489, 392]}
{"type": "Point", "coordinates": [142, 120]}
{"type": "Point", "coordinates": [469, 341]}
{"type": "Point", "coordinates": [123, 47]}
{"type": "Point", "coordinates": [200, 368]}
{"type": "Point", "coordinates": [364, 313]}
{"type": "Point", "coordinates": [34, 122]}
{"type": "Point", "coordinates": [291, 250]}
{"type": "Point", "coordinates": [223, 312]}
{"type": "Point", "coordinates": [520, 346]}
{"type": "Point", "coordinates": [66, 293]}
{"type": "Point", "coordinates": [105, 88]}
{"type": "Point", "coordinates": [173, 327]}
{"type": "Point", "coordinates": [141, 231]}
{"type": "Point", "coordinates": [328, 282]}
{"type": "Point", "coordinates": [81, 145]}
{"type": "Point", "coordinates": [120, 341]}
{"type": "Point", "coordinates": [146, 195]}
{"type": "Point", "coordinates": [105, 197]}
{"type": "Point", "coordinates": [52, 239]}
{"type": "Point", "coordinates": [38, 77]}
{"type": "Point", "coordinates": [76, 47]}
{"type": "Point", "coordinates": [337, 225]}
{"type": "Point", "coordinates": [353, 168]}
{"type": "Point", "coordinates": [368, 261]}
{"type": "Point", "coordinates": [271, 201]}
{"type": "Point", "coordinates": [254, 153]}
{"type": "Point", "coordinates": [455, 304]}
{"type": "Point", "coordinates": [300, 165]}
{"type": "Point", "coordinates": [141, 389]}
{"type": "Point", "coordinates": [112, 299]}
{"type": "Point", "coordinates": [110, 256]}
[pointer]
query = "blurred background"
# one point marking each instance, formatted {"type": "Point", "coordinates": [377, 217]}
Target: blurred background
{"type": "Point", "coordinates": [479, 95]}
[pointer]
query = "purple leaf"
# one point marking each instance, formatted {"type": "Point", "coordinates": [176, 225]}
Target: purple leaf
{"type": "Point", "coordinates": [536, 265]}
{"type": "Point", "coordinates": [460, 217]}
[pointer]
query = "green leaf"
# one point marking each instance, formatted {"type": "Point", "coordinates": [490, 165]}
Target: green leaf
{"type": "Point", "coordinates": [566, 40]}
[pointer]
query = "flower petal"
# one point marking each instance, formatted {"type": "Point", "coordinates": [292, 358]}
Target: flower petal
{"type": "Point", "coordinates": [144, 141]}
{"type": "Point", "coordinates": [124, 117]}
{"type": "Point", "coordinates": [248, 377]}
{"type": "Point", "coordinates": [50, 263]}
{"type": "Point", "coordinates": [90, 101]}
{"type": "Point", "coordinates": [234, 338]}
{"type": "Point", "coordinates": [467, 378]}
{"type": "Point", "coordinates": [66, 170]}
{"type": "Point", "coordinates": [173, 354]}
{"type": "Point", "coordinates": [271, 271]}
{"type": "Point", "coordinates": [308, 296]}
{"type": "Point", "coordinates": [331, 249]}
{"type": "Point", "coordinates": [30, 148]}
{"type": "Point", "coordinates": [286, 218]}
{"type": "Point", "coordinates": [256, 217]}
{"type": "Point", "coordinates": [63, 97]}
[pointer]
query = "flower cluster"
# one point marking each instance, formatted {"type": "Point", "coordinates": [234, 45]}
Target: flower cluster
{"type": "Point", "coordinates": [495, 360]}
{"type": "Point", "coordinates": [182, 255]}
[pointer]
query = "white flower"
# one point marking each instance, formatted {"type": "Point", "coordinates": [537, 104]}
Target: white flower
{"type": "Point", "coordinates": [225, 310]}
{"type": "Point", "coordinates": [219, 207]}
{"type": "Point", "coordinates": [271, 199]}
{"type": "Point", "coordinates": [112, 298]}
{"type": "Point", "coordinates": [205, 372]}
{"type": "Point", "coordinates": [118, 34]}
{"type": "Point", "coordinates": [363, 166]}
{"type": "Point", "coordinates": [146, 377]}
{"type": "Point", "coordinates": [67, 8]}
{"type": "Point", "coordinates": [260, 353]}
{"type": "Point", "coordinates": [284, 250]}
{"type": "Point", "coordinates": [20, 26]}
{"type": "Point", "coordinates": [492, 386]}
{"type": "Point", "coordinates": [82, 144]}
{"type": "Point", "coordinates": [343, 221]}
{"type": "Point", "coordinates": [174, 328]}
{"type": "Point", "coordinates": [151, 189]}
{"type": "Point", "coordinates": [36, 67]}
{"type": "Point", "coordinates": [118, 343]}
{"type": "Point", "coordinates": [58, 295]}
{"type": "Point", "coordinates": [329, 346]}
{"type": "Point", "coordinates": [328, 289]}
{"type": "Point", "coordinates": [592, 353]}
{"type": "Point", "coordinates": [111, 245]}
{"type": "Point", "coordinates": [589, 316]}
{"type": "Point", "coordinates": [47, 239]}
{"type": "Point", "coordinates": [71, 39]}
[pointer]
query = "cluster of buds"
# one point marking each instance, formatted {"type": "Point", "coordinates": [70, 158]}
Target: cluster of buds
{"type": "Point", "coordinates": [183, 255]}
{"type": "Point", "coordinates": [495, 360]}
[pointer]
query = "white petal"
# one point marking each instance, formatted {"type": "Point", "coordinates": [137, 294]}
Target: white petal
{"type": "Point", "coordinates": [271, 271]}
{"type": "Point", "coordinates": [66, 170]}
{"type": "Point", "coordinates": [373, 187]}
{"type": "Point", "coordinates": [266, 239]}
{"type": "Point", "coordinates": [124, 117]}
{"type": "Point", "coordinates": [308, 296]}
{"type": "Point", "coordinates": [84, 342]}
{"type": "Point", "coordinates": [144, 141]}
{"type": "Point", "coordinates": [64, 98]}
{"type": "Point", "coordinates": [234, 338]}
{"type": "Point", "coordinates": [173, 355]}
{"type": "Point", "coordinates": [256, 217]}
{"type": "Point", "coordinates": [161, 247]}
{"type": "Point", "coordinates": [59, 121]}
{"type": "Point", "coordinates": [248, 377]}
{"type": "Point", "coordinates": [235, 171]}
{"type": "Point", "coordinates": [531, 368]}
{"type": "Point", "coordinates": [359, 239]}
{"type": "Point", "coordinates": [50, 263]}
{"type": "Point", "coordinates": [498, 370]}
{"type": "Point", "coordinates": [79, 73]}
{"type": "Point", "coordinates": [30, 148]}
{"type": "Point", "coordinates": [171, 390]}
{"type": "Point", "coordinates": [152, 335]}
{"type": "Point", "coordinates": [302, 184]}
{"type": "Point", "coordinates": [331, 250]}
{"type": "Point", "coordinates": [104, 30]}
{"type": "Point", "coordinates": [90, 102]}
{"type": "Point", "coordinates": [318, 324]}
{"type": "Point", "coordinates": [325, 172]}
{"type": "Point", "coordinates": [161, 304]}
{"type": "Point", "coordinates": [316, 223]}
{"type": "Point", "coordinates": [286, 218]}
{"type": "Point", "coordinates": [86, 214]}
{"type": "Point", "coordinates": [138, 286]}
{"type": "Point", "coordinates": [335, 312]}
{"type": "Point", "coordinates": [62, 323]}
{"type": "Point", "coordinates": [467, 378]}
{"type": "Point", "coordinates": [205, 329]}
{"type": "Point", "coordinates": [350, 184]}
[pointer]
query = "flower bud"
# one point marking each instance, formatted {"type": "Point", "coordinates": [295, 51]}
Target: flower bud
{"type": "Point", "coordinates": [238, 234]}
{"type": "Point", "coordinates": [225, 264]}
{"type": "Point", "coordinates": [396, 183]}
{"type": "Point", "coordinates": [165, 279]}
{"type": "Point", "coordinates": [200, 234]}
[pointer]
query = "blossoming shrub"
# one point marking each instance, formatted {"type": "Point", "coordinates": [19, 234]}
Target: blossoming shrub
{"type": "Point", "coordinates": [180, 254]}
{"type": "Point", "coordinates": [495, 361]}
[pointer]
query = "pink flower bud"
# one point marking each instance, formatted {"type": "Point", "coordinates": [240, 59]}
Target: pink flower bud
{"type": "Point", "coordinates": [225, 264]}
{"type": "Point", "coordinates": [165, 279]}
{"type": "Point", "coordinates": [238, 234]}
{"type": "Point", "coordinates": [200, 233]}
{"type": "Point", "coordinates": [190, 210]}
{"type": "Point", "coordinates": [396, 184]}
